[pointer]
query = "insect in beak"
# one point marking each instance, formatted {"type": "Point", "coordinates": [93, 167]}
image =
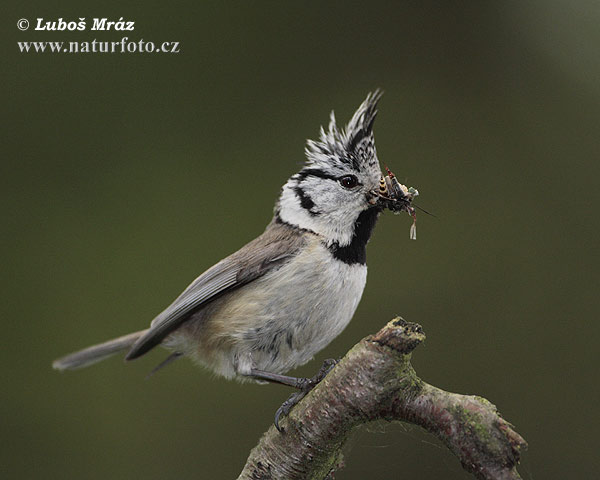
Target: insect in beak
{"type": "Point", "coordinates": [398, 198]}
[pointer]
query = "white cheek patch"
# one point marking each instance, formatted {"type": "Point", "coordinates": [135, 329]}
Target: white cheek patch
{"type": "Point", "coordinates": [333, 214]}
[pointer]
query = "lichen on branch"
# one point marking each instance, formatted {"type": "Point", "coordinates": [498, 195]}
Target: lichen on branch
{"type": "Point", "coordinates": [375, 380]}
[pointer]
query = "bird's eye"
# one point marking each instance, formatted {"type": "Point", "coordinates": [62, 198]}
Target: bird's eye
{"type": "Point", "coordinates": [348, 181]}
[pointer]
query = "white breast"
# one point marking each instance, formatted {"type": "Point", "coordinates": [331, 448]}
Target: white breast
{"type": "Point", "coordinates": [308, 303]}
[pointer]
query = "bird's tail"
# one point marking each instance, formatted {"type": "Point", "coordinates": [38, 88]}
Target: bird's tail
{"type": "Point", "coordinates": [96, 353]}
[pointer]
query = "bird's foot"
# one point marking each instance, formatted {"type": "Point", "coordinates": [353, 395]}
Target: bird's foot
{"type": "Point", "coordinates": [304, 386]}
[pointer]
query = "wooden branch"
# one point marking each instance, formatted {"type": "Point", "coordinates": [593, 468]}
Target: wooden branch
{"type": "Point", "coordinates": [375, 380]}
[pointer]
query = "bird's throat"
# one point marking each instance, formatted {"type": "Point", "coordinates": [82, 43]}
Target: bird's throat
{"type": "Point", "coordinates": [356, 250]}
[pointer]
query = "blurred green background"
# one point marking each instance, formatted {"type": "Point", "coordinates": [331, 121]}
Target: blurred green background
{"type": "Point", "coordinates": [126, 175]}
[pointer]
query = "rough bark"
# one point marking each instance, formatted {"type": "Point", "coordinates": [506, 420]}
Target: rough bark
{"type": "Point", "coordinates": [374, 381]}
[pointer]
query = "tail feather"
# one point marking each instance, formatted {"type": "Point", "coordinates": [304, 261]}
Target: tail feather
{"type": "Point", "coordinates": [96, 353]}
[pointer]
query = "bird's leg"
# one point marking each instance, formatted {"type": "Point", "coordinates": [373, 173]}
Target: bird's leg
{"type": "Point", "coordinates": [304, 385]}
{"type": "Point", "coordinates": [294, 382]}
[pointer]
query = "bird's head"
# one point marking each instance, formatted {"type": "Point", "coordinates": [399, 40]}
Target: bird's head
{"type": "Point", "coordinates": [336, 184]}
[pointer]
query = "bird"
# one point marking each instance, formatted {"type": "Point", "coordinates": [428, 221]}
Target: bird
{"type": "Point", "coordinates": [283, 297]}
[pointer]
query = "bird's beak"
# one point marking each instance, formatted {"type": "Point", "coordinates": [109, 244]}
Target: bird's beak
{"type": "Point", "coordinates": [373, 197]}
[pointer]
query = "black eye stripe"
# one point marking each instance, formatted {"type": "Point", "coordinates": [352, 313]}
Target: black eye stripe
{"type": "Point", "coordinates": [317, 172]}
{"type": "Point", "coordinates": [314, 172]}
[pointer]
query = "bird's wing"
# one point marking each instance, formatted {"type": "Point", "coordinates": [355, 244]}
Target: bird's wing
{"type": "Point", "coordinates": [274, 247]}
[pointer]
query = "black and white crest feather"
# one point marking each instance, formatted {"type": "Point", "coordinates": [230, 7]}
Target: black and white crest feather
{"type": "Point", "coordinates": [354, 145]}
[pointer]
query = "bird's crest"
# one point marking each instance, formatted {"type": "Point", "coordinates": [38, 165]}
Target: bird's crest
{"type": "Point", "coordinates": [354, 144]}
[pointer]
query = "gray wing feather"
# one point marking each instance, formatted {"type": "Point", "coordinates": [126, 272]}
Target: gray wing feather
{"type": "Point", "coordinates": [271, 249]}
{"type": "Point", "coordinates": [215, 280]}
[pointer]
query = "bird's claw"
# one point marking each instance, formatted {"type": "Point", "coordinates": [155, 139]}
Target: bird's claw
{"type": "Point", "coordinates": [286, 407]}
{"type": "Point", "coordinates": [304, 386]}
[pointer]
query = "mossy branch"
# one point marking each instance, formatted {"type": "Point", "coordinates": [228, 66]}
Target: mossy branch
{"type": "Point", "coordinates": [375, 381]}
